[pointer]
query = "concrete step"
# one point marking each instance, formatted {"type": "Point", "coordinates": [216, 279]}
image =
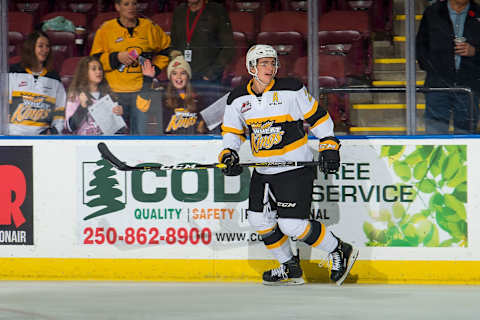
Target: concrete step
{"type": "Point", "coordinates": [382, 121]}
{"type": "Point", "coordinates": [396, 75]}
{"type": "Point", "coordinates": [399, 23]}
{"type": "Point", "coordinates": [420, 5]}
{"type": "Point", "coordinates": [395, 98]}
{"type": "Point", "coordinates": [391, 64]}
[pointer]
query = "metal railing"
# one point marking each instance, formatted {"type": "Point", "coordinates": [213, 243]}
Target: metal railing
{"type": "Point", "coordinates": [404, 89]}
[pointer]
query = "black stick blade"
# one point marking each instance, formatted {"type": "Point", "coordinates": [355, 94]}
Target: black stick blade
{"type": "Point", "coordinates": [108, 155]}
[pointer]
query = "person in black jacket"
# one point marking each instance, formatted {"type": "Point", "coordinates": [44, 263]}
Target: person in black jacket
{"type": "Point", "coordinates": [448, 49]}
{"type": "Point", "coordinates": [202, 32]}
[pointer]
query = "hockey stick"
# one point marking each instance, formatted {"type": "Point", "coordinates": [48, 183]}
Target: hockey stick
{"type": "Point", "coordinates": [122, 166]}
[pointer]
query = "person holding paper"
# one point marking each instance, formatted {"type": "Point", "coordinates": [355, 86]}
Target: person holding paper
{"type": "Point", "coordinates": [87, 87]}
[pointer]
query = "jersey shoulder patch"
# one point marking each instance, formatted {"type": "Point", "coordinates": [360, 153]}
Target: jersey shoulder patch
{"type": "Point", "coordinates": [287, 84]}
{"type": "Point", "coordinates": [237, 92]}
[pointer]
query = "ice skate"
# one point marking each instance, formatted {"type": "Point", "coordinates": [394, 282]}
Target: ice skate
{"type": "Point", "coordinates": [343, 258]}
{"type": "Point", "coordinates": [288, 274]}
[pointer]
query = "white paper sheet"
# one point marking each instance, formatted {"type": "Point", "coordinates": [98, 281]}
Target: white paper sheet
{"type": "Point", "coordinates": [101, 112]}
{"type": "Point", "coordinates": [213, 114]}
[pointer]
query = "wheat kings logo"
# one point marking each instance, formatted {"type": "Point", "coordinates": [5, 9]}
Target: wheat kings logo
{"type": "Point", "coordinates": [265, 136]}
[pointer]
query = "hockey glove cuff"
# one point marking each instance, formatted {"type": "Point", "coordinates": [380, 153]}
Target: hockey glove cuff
{"type": "Point", "coordinates": [230, 158]}
{"type": "Point", "coordinates": [329, 154]}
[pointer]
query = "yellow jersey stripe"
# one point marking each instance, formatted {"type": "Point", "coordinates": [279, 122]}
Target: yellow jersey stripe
{"type": "Point", "coordinates": [277, 119]}
{"type": "Point", "coordinates": [307, 230]}
{"type": "Point", "coordinates": [285, 149]}
{"type": "Point", "coordinates": [226, 129]}
{"type": "Point", "coordinates": [278, 243]}
{"type": "Point", "coordinates": [312, 111]}
{"type": "Point", "coordinates": [321, 120]}
{"type": "Point", "coordinates": [262, 232]}
{"type": "Point", "coordinates": [320, 237]}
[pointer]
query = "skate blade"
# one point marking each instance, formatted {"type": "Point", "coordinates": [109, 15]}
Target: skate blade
{"type": "Point", "coordinates": [351, 261]}
{"type": "Point", "coordinates": [287, 282]}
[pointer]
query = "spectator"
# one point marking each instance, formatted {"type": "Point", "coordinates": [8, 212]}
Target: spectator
{"type": "Point", "coordinates": [180, 104]}
{"type": "Point", "coordinates": [449, 63]}
{"type": "Point", "coordinates": [119, 44]}
{"type": "Point", "coordinates": [202, 31]}
{"type": "Point", "coordinates": [88, 85]}
{"type": "Point", "coordinates": [36, 94]}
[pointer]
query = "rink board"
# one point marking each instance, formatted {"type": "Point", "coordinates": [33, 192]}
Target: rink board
{"type": "Point", "coordinates": [407, 204]}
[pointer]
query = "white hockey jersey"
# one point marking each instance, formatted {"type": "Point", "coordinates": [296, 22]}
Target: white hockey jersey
{"type": "Point", "coordinates": [274, 122]}
{"type": "Point", "coordinates": [36, 102]}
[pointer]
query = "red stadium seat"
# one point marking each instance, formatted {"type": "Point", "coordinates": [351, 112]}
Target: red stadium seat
{"type": "Point", "coordinates": [256, 8]}
{"type": "Point", "coordinates": [164, 20]}
{"type": "Point", "coordinates": [62, 45]}
{"type": "Point", "coordinates": [361, 52]}
{"type": "Point", "coordinates": [331, 75]}
{"type": "Point", "coordinates": [87, 7]}
{"type": "Point", "coordinates": [285, 30]}
{"type": "Point", "coordinates": [236, 73]}
{"type": "Point", "coordinates": [340, 43]}
{"type": "Point", "coordinates": [379, 11]}
{"type": "Point", "coordinates": [68, 70]}
{"type": "Point", "coordinates": [147, 7]}
{"type": "Point", "coordinates": [35, 7]}
{"type": "Point", "coordinates": [15, 42]}
{"type": "Point", "coordinates": [14, 59]}
{"type": "Point", "coordinates": [20, 24]}
{"type": "Point", "coordinates": [243, 22]}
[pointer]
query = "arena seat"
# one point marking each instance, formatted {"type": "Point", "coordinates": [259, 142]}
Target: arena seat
{"type": "Point", "coordinates": [164, 20]}
{"type": "Point", "coordinates": [245, 23]}
{"type": "Point", "coordinates": [14, 59]}
{"type": "Point", "coordinates": [68, 70]}
{"type": "Point", "coordinates": [236, 73]}
{"type": "Point", "coordinates": [331, 74]}
{"type": "Point", "coordinates": [35, 7]}
{"type": "Point", "coordinates": [340, 43]}
{"type": "Point", "coordinates": [62, 45]}
{"type": "Point", "coordinates": [87, 7]}
{"type": "Point", "coordinates": [285, 30]}
{"type": "Point", "coordinates": [20, 25]}
{"type": "Point", "coordinates": [361, 52]}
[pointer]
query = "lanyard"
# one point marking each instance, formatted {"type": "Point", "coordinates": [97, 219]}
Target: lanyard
{"type": "Point", "coordinates": [190, 31]}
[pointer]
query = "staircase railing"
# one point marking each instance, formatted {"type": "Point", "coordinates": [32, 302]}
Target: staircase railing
{"type": "Point", "coordinates": [467, 91]}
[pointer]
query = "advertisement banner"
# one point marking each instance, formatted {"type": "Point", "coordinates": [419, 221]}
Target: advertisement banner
{"type": "Point", "coordinates": [16, 195]}
{"type": "Point", "coordinates": [383, 196]}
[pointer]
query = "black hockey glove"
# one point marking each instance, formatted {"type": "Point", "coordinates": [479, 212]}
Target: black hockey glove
{"type": "Point", "coordinates": [231, 159]}
{"type": "Point", "coordinates": [329, 154]}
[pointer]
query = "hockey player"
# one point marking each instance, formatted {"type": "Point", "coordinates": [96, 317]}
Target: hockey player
{"type": "Point", "coordinates": [273, 111]}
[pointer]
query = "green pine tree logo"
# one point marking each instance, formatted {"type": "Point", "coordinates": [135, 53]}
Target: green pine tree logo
{"type": "Point", "coordinates": [104, 187]}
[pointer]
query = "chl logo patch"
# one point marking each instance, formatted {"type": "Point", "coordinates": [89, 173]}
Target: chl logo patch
{"type": "Point", "coordinates": [245, 107]}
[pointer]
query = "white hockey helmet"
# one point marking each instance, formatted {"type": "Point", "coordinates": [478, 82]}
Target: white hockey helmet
{"type": "Point", "coordinates": [260, 51]}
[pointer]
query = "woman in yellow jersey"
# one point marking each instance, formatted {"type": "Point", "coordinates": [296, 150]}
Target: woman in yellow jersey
{"type": "Point", "coordinates": [122, 44]}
